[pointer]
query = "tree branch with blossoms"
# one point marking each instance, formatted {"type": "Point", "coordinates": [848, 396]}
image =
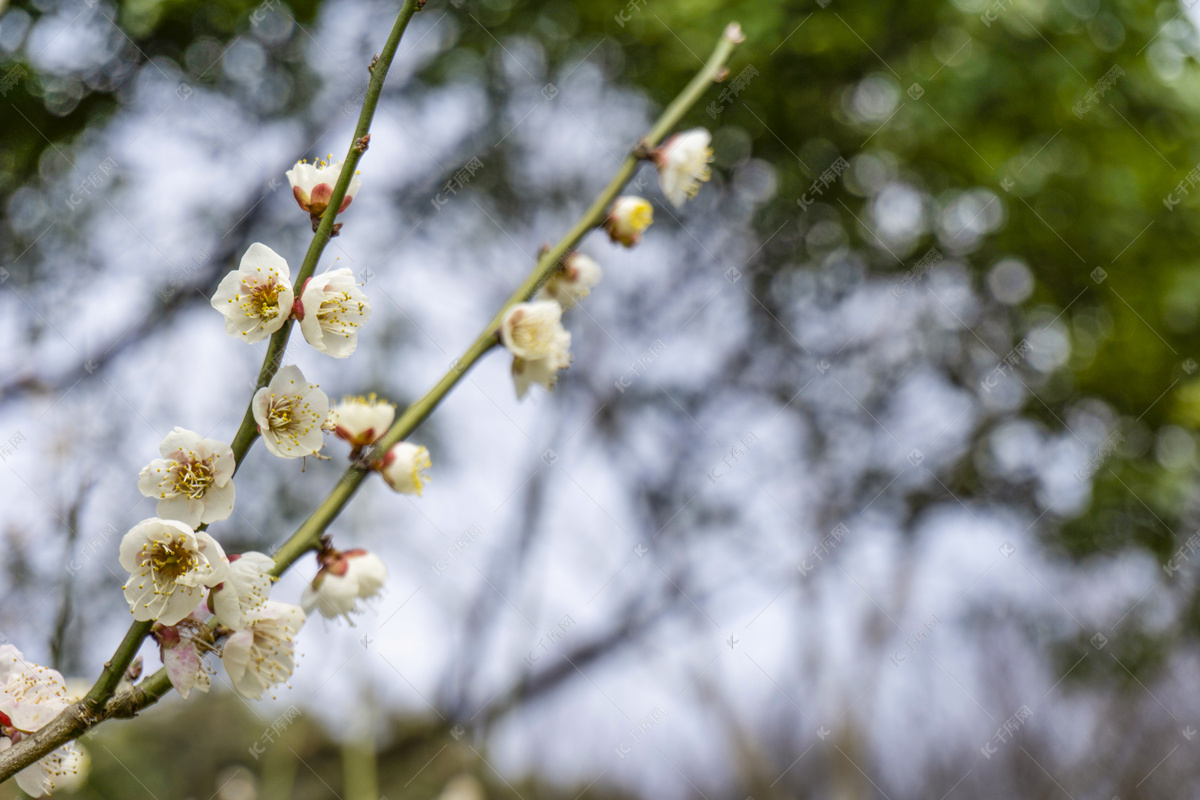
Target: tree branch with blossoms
{"type": "Point", "coordinates": [184, 590]}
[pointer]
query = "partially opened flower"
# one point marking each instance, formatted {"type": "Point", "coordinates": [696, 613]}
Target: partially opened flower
{"type": "Point", "coordinates": [193, 480]}
{"type": "Point", "coordinates": [290, 412]}
{"type": "Point", "coordinates": [683, 164]}
{"type": "Point", "coordinates": [263, 655]}
{"type": "Point", "coordinates": [627, 218]}
{"type": "Point", "coordinates": [404, 467]}
{"type": "Point", "coordinates": [170, 566]}
{"type": "Point", "coordinates": [183, 647]}
{"type": "Point", "coordinates": [343, 580]}
{"type": "Point", "coordinates": [534, 334]}
{"type": "Point", "coordinates": [331, 309]}
{"type": "Point", "coordinates": [576, 278]}
{"type": "Point", "coordinates": [237, 600]}
{"type": "Point", "coordinates": [257, 297]}
{"type": "Point", "coordinates": [30, 697]}
{"type": "Point", "coordinates": [312, 186]}
{"type": "Point", "coordinates": [361, 420]}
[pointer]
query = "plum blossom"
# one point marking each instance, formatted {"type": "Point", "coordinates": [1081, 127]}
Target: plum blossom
{"type": "Point", "coordinates": [540, 346]}
{"type": "Point", "coordinates": [30, 697]}
{"type": "Point", "coordinates": [257, 297]}
{"type": "Point", "coordinates": [361, 420]}
{"type": "Point", "coordinates": [331, 309]}
{"type": "Point", "coordinates": [237, 600]}
{"type": "Point", "coordinates": [573, 282]}
{"type": "Point", "coordinates": [683, 164]}
{"type": "Point", "coordinates": [290, 412]}
{"type": "Point", "coordinates": [193, 480]}
{"type": "Point", "coordinates": [170, 565]}
{"type": "Point", "coordinates": [312, 186]}
{"type": "Point", "coordinates": [628, 217]}
{"type": "Point", "coordinates": [263, 655]}
{"type": "Point", "coordinates": [344, 579]}
{"type": "Point", "coordinates": [404, 467]}
{"type": "Point", "coordinates": [183, 647]}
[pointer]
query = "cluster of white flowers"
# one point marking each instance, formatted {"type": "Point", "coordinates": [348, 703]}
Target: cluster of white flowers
{"type": "Point", "coordinates": [30, 697]}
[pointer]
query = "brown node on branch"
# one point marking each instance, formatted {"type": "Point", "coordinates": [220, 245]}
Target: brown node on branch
{"type": "Point", "coordinates": [374, 62]}
{"type": "Point", "coordinates": [721, 75]}
{"type": "Point", "coordinates": [420, 4]}
{"type": "Point", "coordinates": [363, 143]}
{"type": "Point", "coordinates": [642, 150]}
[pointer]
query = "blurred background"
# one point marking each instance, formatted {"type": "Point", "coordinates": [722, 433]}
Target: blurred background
{"type": "Point", "coordinates": [874, 475]}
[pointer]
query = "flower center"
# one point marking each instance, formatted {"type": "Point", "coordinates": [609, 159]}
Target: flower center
{"type": "Point", "coordinates": [263, 300]}
{"type": "Point", "coordinates": [171, 561]}
{"type": "Point", "coordinates": [192, 478]}
{"type": "Point", "coordinates": [283, 413]}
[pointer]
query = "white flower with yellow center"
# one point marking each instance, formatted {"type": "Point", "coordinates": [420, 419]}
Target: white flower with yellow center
{"type": "Point", "coordinates": [238, 599]}
{"type": "Point", "coordinates": [332, 307]}
{"type": "Point", "coordinates": [628, 217]}
{"type": "Point", "coordinates": [263, 655]}
{"type": "Point", "coordinates": [257, 297]}
{"type": "Point", "coordinates": [683, 164]}
{"type": "Point", "coordinates": [576, 278]}
{"type": "Point", "coordinates": [170, 566]}
{"type": "Point", "coordinates": [290, 412]}
{"type": "Point", "coordinates": [30, 697]}
{"type": "Point", "coordinates": [312, 185]}
{"type": "Point", "coordinates": [193, 480]}
{"type": "Point", "coordinates": [361, 420]}
{"type": "Point", "coordinates": [534, 334]}
{"type": "Point", "coordinates": [405, 466]}
{"type": "Point", "coordinates": [343, 580]}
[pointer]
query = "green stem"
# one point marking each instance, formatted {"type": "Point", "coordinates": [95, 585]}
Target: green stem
{"type": "Point", "coordinates": [115, 667]}
{"type": "Point", "coordinates": [277, 347]}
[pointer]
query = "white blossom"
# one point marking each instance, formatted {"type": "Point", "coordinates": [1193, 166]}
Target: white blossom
{"type": "Point", "coordinates": [342, 581]}
{"type": "Point", "coordinates": [573, 282]}
{"type": "Point", "coordinates": [290, 412]}
{"type": "Point", "coordinates": [239, 598]}
{"type": "Point", "coordinates": [263, 655]}
{"type": "Point", "coordinates": [193, 480]}
{"type": "Point", "coordinates": [404, 467]}
{"type": "Point", "coordinates": [257, 297]}
{"type": "Point", "coordinates": [332, 307]}
{"type": "Point", "coordinates": [30, 697]}
{"type": "Point", "coordinates": [683, 164]}
{"type": "Point", "coordinates": [540, 346]}
{"type": "Point", "coordinates": [170, 565]}
{"type": "Point", "coordinates": [361, 420]}
{"type": "Point", "coordinates": [312, 185]}
{"type": "Point", "coordinates": [628, 217]}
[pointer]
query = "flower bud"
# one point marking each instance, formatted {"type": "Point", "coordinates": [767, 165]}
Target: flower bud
{"type": "Point", "coordinates": [627, 218]}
